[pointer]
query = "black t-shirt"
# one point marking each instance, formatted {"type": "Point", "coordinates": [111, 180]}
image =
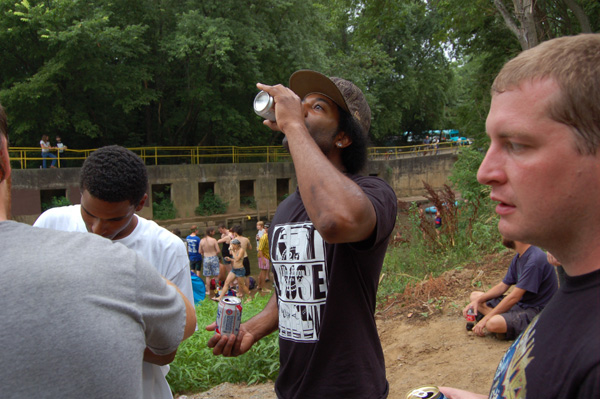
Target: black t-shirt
{"type": "Point", "coordinates": [558, 355]}
{"type": "Point", "coordinates": [329, 345]}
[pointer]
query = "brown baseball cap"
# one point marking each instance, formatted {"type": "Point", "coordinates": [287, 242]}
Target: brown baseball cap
{"type": "Point", "coordinates": [343, 92]}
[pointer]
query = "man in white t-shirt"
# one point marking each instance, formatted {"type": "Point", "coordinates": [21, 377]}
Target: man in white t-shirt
{"type": "Point", "coordinates": [73, 330]}
{"type": "Point", "coordinates": [113, 183]}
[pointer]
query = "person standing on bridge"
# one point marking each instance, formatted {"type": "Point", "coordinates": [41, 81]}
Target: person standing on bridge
{"type": "Point", "coordinates": [327, 245]}
{"type": "Point", "coordinates": [113, 183]}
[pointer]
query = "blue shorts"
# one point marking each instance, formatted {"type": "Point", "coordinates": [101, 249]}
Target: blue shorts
{"type": "Point", "coordinates": [211, 266]}
{"type": "Point", "coordinates": [240, 272]}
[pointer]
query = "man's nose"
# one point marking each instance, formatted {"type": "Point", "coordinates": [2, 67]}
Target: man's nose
{"type": "Point", "coordinates": [98, 227]}
{"type": "Point", "coordinates": [490, 171]}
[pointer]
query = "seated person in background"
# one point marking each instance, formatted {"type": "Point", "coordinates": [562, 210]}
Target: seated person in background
{"type": "Point", "coordinates": [535, 283]}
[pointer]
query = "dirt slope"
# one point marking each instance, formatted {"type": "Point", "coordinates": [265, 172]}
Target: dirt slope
{"type": "Point", "coordinates": [421, 350]}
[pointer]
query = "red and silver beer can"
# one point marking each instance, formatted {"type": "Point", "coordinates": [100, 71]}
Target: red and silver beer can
{"type": "Point", "coordinates": [264, 106]}
{"type": "Point", "coordinates": [229, 315]}
{"type": "Point", "coordinates": [426, 392]}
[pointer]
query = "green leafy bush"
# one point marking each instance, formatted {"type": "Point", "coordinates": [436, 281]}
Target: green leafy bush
{"type": "Point", "coordinates": [55, 202]}
{"type": "Point", "coordinates": [163, 208]}
{"type": "Point", "coordinates": [196, 369]}
{"type": "Point", "coordinates": [211, 204]}
{"type": "Point", "coordinates": [250, 202]}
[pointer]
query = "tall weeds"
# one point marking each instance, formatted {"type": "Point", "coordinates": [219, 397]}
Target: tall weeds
{"type": "Point", "coordinates": [419, 250]}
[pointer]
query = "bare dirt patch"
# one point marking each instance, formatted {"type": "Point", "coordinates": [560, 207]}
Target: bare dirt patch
{"type": "Point", "coordinates": [424, 337]}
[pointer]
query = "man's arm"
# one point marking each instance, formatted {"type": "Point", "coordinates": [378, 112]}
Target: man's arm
{"type": "Point", "coordinates": [338, 207]}
{"type": "Point", "coordinates": [494, 292]}
{"type": "Point", "coordinates": [507, 303]}
{"type": "Point", "coordinates": [251, 332]}
{"type": "Point", "coordinates": [190, 327]}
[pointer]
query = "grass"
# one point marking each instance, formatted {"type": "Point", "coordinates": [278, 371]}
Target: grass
{"type": "Point", "coordinates": [196, 369]}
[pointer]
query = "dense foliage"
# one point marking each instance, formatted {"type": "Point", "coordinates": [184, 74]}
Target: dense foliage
{"type": "Point", "coordinates": [165, 72]}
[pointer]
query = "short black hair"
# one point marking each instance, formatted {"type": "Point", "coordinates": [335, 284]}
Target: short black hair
{"type": "Point", "coordinates": [114, 174]}
{"type": "Point", "coordinates": [354, 157]}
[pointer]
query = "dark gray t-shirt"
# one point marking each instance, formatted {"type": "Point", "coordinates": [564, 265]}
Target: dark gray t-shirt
{"type": "Point", "coordinates": [328, 341]}
{"type": "Point", "coordinates": [77, 312]}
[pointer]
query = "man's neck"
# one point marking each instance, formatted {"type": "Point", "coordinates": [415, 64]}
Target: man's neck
{"type": "Point", "coordinates": [521, 248]}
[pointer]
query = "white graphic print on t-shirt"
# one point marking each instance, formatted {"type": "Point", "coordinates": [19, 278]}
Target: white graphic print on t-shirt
{"type": "Point", "coordinates": [298, 257]}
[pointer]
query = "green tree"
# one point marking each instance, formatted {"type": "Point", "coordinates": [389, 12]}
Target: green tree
{"type": "Point", "coordinates": [150, 72]}
{"type": "Point", "coordinates": [390, 49]}
{"type": "Point", "coordinates": [70, 70]}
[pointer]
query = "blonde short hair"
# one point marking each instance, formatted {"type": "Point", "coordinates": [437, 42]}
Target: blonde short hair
{"type": "Point", "coordinates": [573, 62]}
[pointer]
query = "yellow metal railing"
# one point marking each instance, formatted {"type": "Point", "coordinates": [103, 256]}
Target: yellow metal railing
{"type": "Point", "coordinates": [31, 157]}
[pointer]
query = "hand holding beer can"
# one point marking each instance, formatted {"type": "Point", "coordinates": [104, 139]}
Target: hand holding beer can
{"type": "Point", "coordinates": [426, 392]}
{"type": "Point", "coordinates": [229, 316]}
{"type": "Point", "coordinates": [264, 106]}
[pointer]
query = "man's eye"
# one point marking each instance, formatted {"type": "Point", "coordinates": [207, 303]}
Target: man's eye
{"type": "Point", "coordinates": [515, 147]}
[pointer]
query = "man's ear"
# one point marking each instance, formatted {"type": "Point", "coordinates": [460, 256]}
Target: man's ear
{"type": "Point", "coordinates": [4, 159]}
{"type": "Point", "coordinates": [342, 138]}
{"type": "Point", "coordinates": [142, 203]}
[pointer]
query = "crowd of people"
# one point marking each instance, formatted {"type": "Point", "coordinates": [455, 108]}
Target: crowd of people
{"type": "Point", "coordinates": [106, 320]}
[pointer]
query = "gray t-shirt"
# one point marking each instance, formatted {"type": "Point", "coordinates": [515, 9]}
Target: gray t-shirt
{"type": "Point", "coordinates": [77, 312]}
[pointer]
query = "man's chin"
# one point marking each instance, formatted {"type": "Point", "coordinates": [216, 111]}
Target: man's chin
{"type": "Point", "coordinates": [510, 232]}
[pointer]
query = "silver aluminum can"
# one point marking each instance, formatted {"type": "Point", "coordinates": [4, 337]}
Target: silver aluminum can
{"type": "Point", "coordinates": [264, 106]}
{"type": "Point", "coordinates": [229, 315]}
{"type": "Point", "coordinates": [426, 392]}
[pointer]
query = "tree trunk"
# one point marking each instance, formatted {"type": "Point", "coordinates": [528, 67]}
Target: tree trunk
{"type": "Point", "coordinates": [522, 24]}
{"type": "Point", "coordinates": [580, 15]}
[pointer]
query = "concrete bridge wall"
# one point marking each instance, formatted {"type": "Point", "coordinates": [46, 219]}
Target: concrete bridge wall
{"type": "Point", "coordinates": [266, 182]}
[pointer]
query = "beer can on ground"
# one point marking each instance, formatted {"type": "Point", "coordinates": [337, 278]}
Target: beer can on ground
{"type": "Point", "coordinates": [264, 106]}
{"type": "Point", "coordinates": [229, 315]}
{"type": "Point", "coordinates": [426, 392]}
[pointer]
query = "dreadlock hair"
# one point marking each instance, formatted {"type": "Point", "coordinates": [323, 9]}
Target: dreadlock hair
{"type": "Point", "coordinates": [354, 157]}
